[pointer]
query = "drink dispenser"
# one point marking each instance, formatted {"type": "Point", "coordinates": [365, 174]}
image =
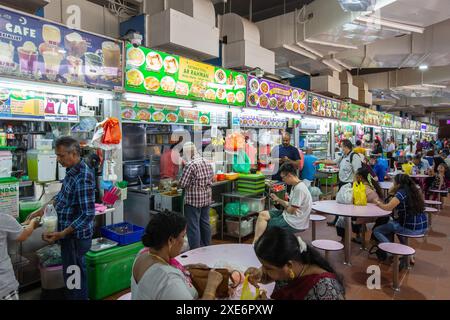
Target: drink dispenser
{"type": "Point", "coordinates": [41, 165]}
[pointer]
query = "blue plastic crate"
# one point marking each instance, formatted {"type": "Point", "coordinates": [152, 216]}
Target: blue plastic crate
{"type": "Point", "coordinates": [112, 233]}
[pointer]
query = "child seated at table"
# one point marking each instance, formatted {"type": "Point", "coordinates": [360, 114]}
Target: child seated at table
{"type": "Point", "coordinates": [295, 216]}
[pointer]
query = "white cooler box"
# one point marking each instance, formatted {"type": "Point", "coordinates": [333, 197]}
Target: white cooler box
{"type": "Point", "coordinates": [246, 226]}
{"type": "Point", "coordinates": [52, 277]}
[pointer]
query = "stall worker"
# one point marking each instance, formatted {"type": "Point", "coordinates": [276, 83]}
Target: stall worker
{"type": "Point", "coordinates": [309, 168]}
{"type": "Point", "coordinates": [285, 153]}
{"type": "Point", "coordinates": [196, 180]}
{"type": "Point", "coordinates": [295, 214]}
{"type": "Point", "coordinates": [75, 207]}
{"type": "Point", "coordinates": [170, 161]}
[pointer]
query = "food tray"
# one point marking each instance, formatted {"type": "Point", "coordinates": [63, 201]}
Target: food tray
{"type": "Point", "coordinates": [100, 244]}
{"type": "Point", "coordinates": [124, 233]}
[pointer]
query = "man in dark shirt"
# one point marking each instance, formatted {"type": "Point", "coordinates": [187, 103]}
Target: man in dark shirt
{"type": "Point", "coordinates": [285, 153]}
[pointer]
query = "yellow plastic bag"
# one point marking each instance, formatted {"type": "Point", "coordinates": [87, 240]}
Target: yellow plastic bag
{"type": "Point", "coordinates": [246, 293]}
{"type": "Point", "coordinates": [359, 194]}
{"type": "Point", "coordinates": [407, 168]}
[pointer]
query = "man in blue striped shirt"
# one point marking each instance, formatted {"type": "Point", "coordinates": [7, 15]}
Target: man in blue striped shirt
{"type": "Point", "coordinates": [75, 206]}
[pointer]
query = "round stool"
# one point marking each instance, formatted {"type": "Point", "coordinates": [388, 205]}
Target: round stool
{"type": "Point", "coordinates": [327, 245]}
{"type": "Point", "coordinates": [407, 237]}
{"type": "Point", "coordinates": [430, 211]}
{"type": "Point", "coordinates": [396, 249]}
{"type": "Point", "coordinates": [433, 203]}
{"type": "Point", "coordinates": [126, 296]}
{"type": "Point", "coordinates": [314, 218]}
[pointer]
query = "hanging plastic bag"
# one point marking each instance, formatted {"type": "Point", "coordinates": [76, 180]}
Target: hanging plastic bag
{"type": "Point", "coordinates": [241, 162]}
{"type": "Point", "coordinates": [407, 168]}
{"type": "Point", "coordinates": [50, 219]}
{"type": "Point", "coordinates": [359, 194]}
{"type": "Point", "coordinates": [111, 134]}
{"type": "Point", "coordinates": [246, 293]}
{"type": "Point", "coordinates": [345, 194]}
{"type": "Point", "coordinates": [234, 142]}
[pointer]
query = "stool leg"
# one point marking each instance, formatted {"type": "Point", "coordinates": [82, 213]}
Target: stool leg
{"type": "Point", "coordinates": [429, 218]}
{"type": "Point", "coordinates": [396, 286]}
{"type": "Point", "coordinates": [326, 255]}
{"type": "Point", "coordinates": [408, 258]}
{"type": "Point", "coordinates": [347, 241]}
{"type": "Point", "coordinates": [313, 230]}
{"type": "Point", "coordinates": [363, 237]}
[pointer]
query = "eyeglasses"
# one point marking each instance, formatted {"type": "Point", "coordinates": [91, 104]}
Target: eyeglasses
{"type": "Point", "coordinates": [283, 177]}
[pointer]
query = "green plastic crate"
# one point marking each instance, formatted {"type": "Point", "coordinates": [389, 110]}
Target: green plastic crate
{"type": "Point", "coordinates": [250, 191]}
{"type": "Point", "coordinates": [332, 179]}
{"type": "Point", "coordinates": [109, 271]}
{"type": "Point", "coordinates": [249, 185]}
{"type": "Point", "coordinates": [251, 177]}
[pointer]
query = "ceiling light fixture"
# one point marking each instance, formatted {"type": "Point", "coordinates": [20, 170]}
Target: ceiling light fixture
{"type": "Point", "coordinates": [437, 86]}
{"type": "Point", "coordinates": [390, 24]}
{"type": "Point", "coordinates": [331, 44]}
{"type": "Point", "coordinates": [300, 51]}
{"type": "Point", "coordinates": [332, 65]}
{"type": "Point", "coordinates": [310, 49]}
{"type": "Point", "coordinates": [346, 66]}
{"type": "Point", "coordinates": [423, 67]}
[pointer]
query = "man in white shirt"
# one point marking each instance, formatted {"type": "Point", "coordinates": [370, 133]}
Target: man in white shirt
{"type": "Point", "coordinates": [295, 216]}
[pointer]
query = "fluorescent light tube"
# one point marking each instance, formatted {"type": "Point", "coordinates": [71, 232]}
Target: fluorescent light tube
{"type": "Point", "coordinates": [299, 70]}
{"type": "Point", "coordinates": [331, 44]}
{"type": "Point", "coordinates": [306, 47]}
{"type": "Point", "coordinates": [300, 51]}
{"type": "Point", "coordinates": [390, 24]}
{"type": "Point", "coordinates": [437, 86]}
{"type": "Point", "coordinates": [346, 66]}
{"type": "Point", "coordinates": [157, 100]}
{"type": "Point", "coordinates": [332, 65]}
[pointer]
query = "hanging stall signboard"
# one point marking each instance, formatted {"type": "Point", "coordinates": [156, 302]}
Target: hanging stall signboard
{"type": "Point", "coordinates": [149, 113]}
{"type": "Point", "coordinates": [29, 105]}
{"type": "Point", "coordinates": [355, 113]}
{"type": "Point", "coordinates": [269, 95]}
{"type": "Point", "coordinates": [324, 107]}
{"type": "Point", "coordinates": [388, 120]}
{"type": "Point", "coordinates": [372, 117]}
{"type": "Point", "coordinates": [397, 122]}
{"type": "Point", "coordinates": [157, 73]}
{"type": "Point", "coordinates": [34, 49]}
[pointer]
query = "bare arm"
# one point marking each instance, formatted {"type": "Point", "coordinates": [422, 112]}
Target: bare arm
{"type": "Point", "coordinates": [389, 206]}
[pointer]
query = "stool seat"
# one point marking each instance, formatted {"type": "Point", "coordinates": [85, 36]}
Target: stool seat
{"type": "Point", "coordinates": [411, 235]}
{"type": "Point", "coordinates": [126, 296]}
{"type": "Point", "coordinates": [396, 249]}
{"type": "Point", "coordinates": [429, 209]}
{"type": "Point", "coordinates": [329, 245]}
{"type": "Point", "coordinates": [316, 217]}
{"type": "Point", "coordinates": [439, 191]}
{"type": "Point", "coordinates": [433, 202]}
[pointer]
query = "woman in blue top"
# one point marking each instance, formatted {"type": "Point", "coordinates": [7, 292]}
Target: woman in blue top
{"type": "Point", "coordinates": [409, 204]}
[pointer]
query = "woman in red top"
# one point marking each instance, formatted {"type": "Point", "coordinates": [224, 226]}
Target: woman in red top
{"type": "Point", "coordinates": [298, 270]}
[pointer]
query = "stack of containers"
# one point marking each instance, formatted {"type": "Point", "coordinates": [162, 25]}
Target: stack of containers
{"type": "Point", "coordinates": [251, 183]}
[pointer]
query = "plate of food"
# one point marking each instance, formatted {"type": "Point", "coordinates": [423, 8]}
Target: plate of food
{"type": "Point", "coordinates": [128, 114]}
{"type": "Point", "coordinates": [302, 107]}
{"type": "Point", "coordinates": [198, 90]}
{"type": "Point", "coordinates": [221, 94]}
{"type": "Point", "coordinates": [273, 103]}
{"type": "Point", "coordinates": [168, 84]}
{"type": "Point", "coordinates": [295, 94]}
{"type": "Point", "coordinates": [253, 99]}
{"type": "Point", "coordinates": [315, 105]}
{"type": "Point", "coordinates": [204, 120]}
{"type": "Point", "coordinates": [239, 81]}
{"type": "Point", "coordinates": [154, 61]}
{"type": "Point", "coordinates": [220, 76]}
{"type": "Point", "coordinates": [302, 95]}
{"type": "Point", "coordinates": [151, 84]}
{"type": "Point", "coordinates": [171, 117]}
{"type": "Point", "coordinates": [231, 97]}
{"type": "Point", "coordinates": [281, 103]}
{"type": "Point", "coordinates": [182, 89]}
{"type": "Point", "coordinates": [295, 106]}
{"type": "Point", "coordinates": [134, 77]}
{"type": "Point", "coordinates": [289, 105]}
{"type": "Point", "coordinates": [263, 101]}
{"type": "Point", "coordinates": [158, 116]}
{"type": "Point", "coordinates": [135, 57]}
{"type": "Point", "coordinates": [240, 96]}
{"type": "Point", "coordinates": [322, 112]}
{"type": "Point", "coordinates": [143, 114]}
{"type": "Point", "coordinates": [170, 64]}
{"type": "Point", "coordinates": [328, 113]}
{"type": "Point", "coordinates": [210, 94]}
{"type": "Point", "coordinates": [264, 87]}
{"type": "Point", "coordinates": [254, 85]}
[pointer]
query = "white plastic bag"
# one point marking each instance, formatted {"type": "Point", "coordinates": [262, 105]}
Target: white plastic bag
{"type": "Point", "coordinates": [345, 194]}
{"type": "Point", "coordinates": [50, 219]}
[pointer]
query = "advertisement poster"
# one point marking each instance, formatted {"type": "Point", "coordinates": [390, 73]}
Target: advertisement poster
{"type": "Point", "coordinates": [148, 113]}
{"type": "Point", "coordinates": [355, 113]}
{"type": "Point", "coordinates": [9, 196]}
{"type": "Point", "coordinates": [157, 73]}
{"type": "Point", "coordinates": [372, 117]}
{"type": "Point", "coordinates": [269, 95]}
{"type": "Point", "coordinates": [343, 112]}
{"type": "Point", "coordinates": [27, 105]}
{"type": "Point", "coordinates": [388, 120]}
{"type": "Point", "coordinates": [35, 49]}
{"type": "Point", "coordinates": [324, 107]}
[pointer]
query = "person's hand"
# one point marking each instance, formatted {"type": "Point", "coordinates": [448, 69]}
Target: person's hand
{"type": "Point", "coordinates": [262, 295]}
{"type": "Point", "coordinates": [285, 159]}
{"type": "Point", "coordinates": [274, 197]}
{"type": "Point", "coordinates": [254, 276]}
{"type": "Point", "coordinates": [214, 279]}
{"type": "Point", "coordinates": [36, 214]}
{"type": "Point", "coordinates": [52, 236]}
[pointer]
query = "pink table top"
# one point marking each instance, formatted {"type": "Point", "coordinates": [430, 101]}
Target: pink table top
{"type": "Point", "coordinates": [328, 245]}
{"type": "Point", "coordinates": [234, 256]}
{"type": "Point", "coordinates": [349, 210]}
{"type": "Point", "coordinates": [417, 176]}
{"type": "Point", "coordinates": [433, 202]}
{"type": "Point", "coordinates": [386, 185]}
{"type": "Point", "coordinates": [396, 248]}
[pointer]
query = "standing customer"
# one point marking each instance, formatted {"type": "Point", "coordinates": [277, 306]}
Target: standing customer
{"type": "Point", "coordinates": [285, 153]}
{"type": "Point", "coordinates": [75, 207]}
{"type": "Point", "coordinates": [309, 169]}
{"type": "Point", "coordinates": [196, 180]}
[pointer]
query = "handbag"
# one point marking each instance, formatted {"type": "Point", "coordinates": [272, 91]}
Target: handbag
{"type": "Point", "coordinates": [199, 277]}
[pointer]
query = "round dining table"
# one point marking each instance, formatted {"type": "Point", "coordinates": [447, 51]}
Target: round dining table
{"type": "Point", "coordinates": [232, 256]}
{"type": "Point", "coordinates": [349, 211]}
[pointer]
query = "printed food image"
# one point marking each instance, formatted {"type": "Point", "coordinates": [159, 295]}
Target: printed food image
{"type": "Point", "coordinates": [288, 105]}
{"type": "Point", "coordinates": [172, 117]}
{"type": "Point", "coordinates": [210, 94]}
{"type": "Point", "coordinates": [204, 120]}
{"type": "Point", "coordinates": [168, 84]}
{"type": "Point", "coordinates": [189, 115]}
{"type": "Point", "coordinates": [329, 113]}
{"type": "Point", "coordinates": [315, 105]}
{"type": "Point", "coordinates": [322, 112]}
{"type": "Point", "coordinates": [295, 94]}
{"type": "Point", "coordinates": [302, 107]}
{"type": "Point", "coordinates": [254, 85]}
{"type": "Point", "coordinates": [231, 97]}
{"type": "Point", "coordinates": [302, 95]}
{"type": "Point", "coordinates": [220, 76]}
{"type": "Point", "coordinates": [230, 79]}
{"type": "Point", "coordinates": [281, 103]}
{"type": "Point", "coordinates": [154, 61]}
{"type": "Point", "coordinates": [151, 83]}
{"type": "Point", "coordinates": [263, 101]}
{"type": "Point", "coordinates": [240, 81]}
{"type": "Point", "coordinates": [273, 103]}
{"type": "Point", "coordinates": [221, 94]}
{"type": "Point", "coordinates": [135, 77]}
{"type": "Point", "coordinates": [128, 114]}
{"type": "Point", "coordinates": [143, 114]}
{"type": "Point", "coordinates": [265, 87]}
{"type": "Point", "coordinates": [182, 89]}
{"type": "Point", "coordinates": [198, 90]}
{"type": "Point", "coordinates": [135, 57]}
{"type": "Point", "coordinates": [158, 116]}
{"type": "Point", "coordinates": [295, 107]}
{"type": "Point", "coordinates": [240, 96]}
{"type": "Point", "coordinates": [170, 64]}
{"type": "Point", "coordinates": [253, 99]}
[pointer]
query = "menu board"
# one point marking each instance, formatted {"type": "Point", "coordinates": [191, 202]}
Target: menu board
{"type": "Point", "coordinates": [372, 117]}
{"type": "Point", "coordinates": [324, 107]}
{"type": "Point", "coordinates": [397, 122]}
{"type": "Point", "coordinates": [149, 113]}
{"type": "Point", "coordinates": [355, 113]}
{"type": "Point", "coordinates": [253, 121]}
{"type": "Point", "coordinates": [265, 94]}
{"type": "Point", "coordinates": [27, 105]}
{"type": "Point", "coordinates": [39, 50]}
{"type": "Point", "coordinates": [157, 73]}
{"type": "Point", "coordinates": [343, 111]}
{"type": "Point", "coordinates": [388, 120]}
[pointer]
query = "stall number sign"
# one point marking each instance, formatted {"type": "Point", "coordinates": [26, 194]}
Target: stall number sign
{"type": "Point", "coordinates": [9, 198]}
